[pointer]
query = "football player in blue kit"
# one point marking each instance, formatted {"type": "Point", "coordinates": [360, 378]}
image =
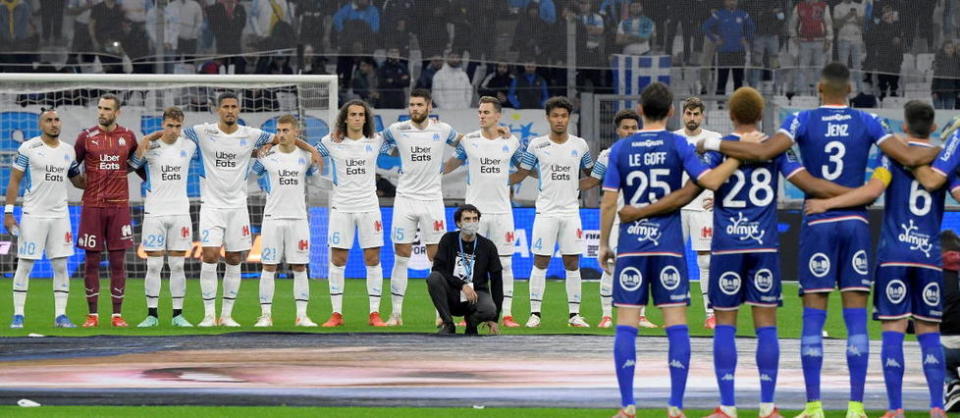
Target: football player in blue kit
{"type": "Point", "coordinates": [834, 142]}
{"type": "Point", "coordinates": [645, 167]}
{"type": "Point", "coordinates": [908, 274]}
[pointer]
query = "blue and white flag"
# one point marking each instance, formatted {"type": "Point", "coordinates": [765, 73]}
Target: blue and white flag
{"type": "Point", "coordinates": [632, 73]}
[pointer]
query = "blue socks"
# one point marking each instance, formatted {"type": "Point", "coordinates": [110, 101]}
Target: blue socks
{"type": "Point", "coordinates": [891, 358]}
{"type": "Point", "coordinates": [625, 359]}
{"type": "Point", "coordinates": [858, 350]}
{"type": "Point", "coordinates": [811, 350]}
{"type": "Point", "coordinates": [933, 366]}
{"type": "Point", "coordinates": [679, 362]}
{"type": "Point", "coordinates": [768, 361]}
{"type": "Point", "coordinates": [725, 362]}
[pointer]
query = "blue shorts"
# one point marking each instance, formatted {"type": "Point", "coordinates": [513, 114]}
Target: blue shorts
{"type": "Point", "coordinates": [907, 290]}
{"type": "Point", "coordinates": [751, 278]}
{"type": "Point", "coordinates": [636, 277]}
{"type": "Point", "coordinates": [834, 254]}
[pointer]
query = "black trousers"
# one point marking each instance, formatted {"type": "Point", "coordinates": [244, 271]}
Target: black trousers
{"type": "Point", "coordinates": [727, 61]}
{"type": "Point", "coordinates": [447, 301]}
{"type": "Point", "coordinates": [51, 18]}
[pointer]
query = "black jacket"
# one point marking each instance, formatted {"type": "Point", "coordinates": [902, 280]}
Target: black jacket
{"type": "Point", "coordinates": [487, 271]}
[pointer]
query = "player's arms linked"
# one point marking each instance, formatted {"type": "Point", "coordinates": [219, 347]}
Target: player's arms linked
{"type": "Point", "coordinates": [956, 194]}
{"type": "Point", "coordinates": [589, 182]}
{"type": "Point", "coordinates": [715, 178]}
{"type": "Point", "coordinates": [860, 196]}
{"type": "Point", "coordinates": [13, 188]}
{"type": "Point", "coordinates": [897, 149]}
{"type": "Point", "coordinates": [669, 203]}
{"type": "Point", "coordinates": [79, 181]}
{"type": "Point", "coordinates": [521, 174]}
{"type": "Point", "coordinates": [452, 164]}
{"type": "Point", "coordinates": [608, 209]}
{"type": "Point", "coordinates": [747, 150]}
{"type": "Point", "coordinates": [929, 178]}
{"type": "Point", "coordinates": [816, 186]}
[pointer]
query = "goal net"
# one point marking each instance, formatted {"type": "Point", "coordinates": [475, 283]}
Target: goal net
{"type": "Point", "coordinates": [312, 99]}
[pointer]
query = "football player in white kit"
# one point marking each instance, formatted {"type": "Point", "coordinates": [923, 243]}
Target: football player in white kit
{"type": "Point", "coordinates": [420, 142]}
{"type": "Point", "coordinates": [226, 148]}
{"type": "Point", "coordinates": [697, 216]}
{"type": "Point", "coordinates": [354, 205]}
{"type": "Point", "coordinates": [489, 158]}
{"type": "Point", "coordinates": [167, 227]}
{"type": "Point", "coordinates": [627, 122]}
{"type": "Point", "coordinates": [42, 163]}
{"type": "Point", "coordinates": [283, 173]}
{"type": "Point", "coordinates": [559, 158]}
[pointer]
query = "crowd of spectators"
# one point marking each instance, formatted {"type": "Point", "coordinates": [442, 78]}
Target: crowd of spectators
{"type": "Point", "coordinates": [381, 48]}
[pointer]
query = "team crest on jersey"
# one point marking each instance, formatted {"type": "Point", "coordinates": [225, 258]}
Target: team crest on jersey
{"type": "Point", "coordinates": [646, 230]}
{"type": "Point", "coordinates": [122, 142]}
{"type": "Point", "coordinates": [670, 278]}
{"type": "Point", "coordinates": [66, 157]}
{"type": "Point", "coordinates": [630, 279]}
{"type": "Point", "coordinates": [183, 154]}
{"type": "Point", "coordinates": [819, 265]}
{"type": "Point", "coordinates": [859, 262]}
{"type": "Point", "coordinates": [763, 280]}
{"type": "Point", "coordinates": [729, 283]}
{"type": "Point", "coordinates": [243, 142]}
{"type": "Point", "coordinates": [301, 161]}
{"type": "Point", "coordinates": [744, 230]}
{"type": "Point", "coordinates": [918, 242]}
{"type": "Point", "coordinates": [436, 137]}
{"type": "Point", "coordinates": [303, 245]}
{"type": "Point", "coordinates": [369, 148]}
{"type": "Point", "coordinates": [505, 149]}
{"type": "Point", "coordinates": [931, 294]}
{"type": "Point", "coordinates": [896, 291]}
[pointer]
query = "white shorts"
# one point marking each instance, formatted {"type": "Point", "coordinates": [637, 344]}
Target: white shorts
{"type": "Point", "coordinates": [44, 234]}
{"type": "Point", "coordinates": [285, 240]}
{"type": "Point", "coordinates": [563, 231]}
{"type": "Point", "coordinates": [229, 228]}
{"type": "Point", "coordinates": [172, 233]}
{"type": "Point", "coordinates": [498, 227]}
{"type": "Point", "coordinates": [428, 215]}
{"type": "Point", "coordinates": [344, 225]}
{"type": "Point", "coordinates": [698, 228]}
{"type": "Point", "coordinates": [615, 234]}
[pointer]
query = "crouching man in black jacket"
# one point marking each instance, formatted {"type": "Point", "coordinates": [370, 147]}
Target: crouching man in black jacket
{"type": "Point", "coordinates": [467, 276]}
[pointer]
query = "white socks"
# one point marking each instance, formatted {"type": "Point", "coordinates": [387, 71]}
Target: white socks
{"type": "Point", "coordinates": [507, 263]}
{"type": "Point", "coordinates": [398, 284]}
{"type": "Point", "coordinates": [178, 281]}
{"type": "Point", "coordinates": [703, 262]}
{"type": "Point", "coordinates": [208, 288]}
{"type": "Point", "coordinates": [61, 286]}
{"type": "Point", "coordinates": [538, 281]}
{"type": "Point", "coordinates": [573, 290]}
{"type": "Point", "coordinates": [21, 282]}
{"type": "Point", "coordinates": [374, 286]}
{"type": "Point", "coordinates": [606, 293]}
{"type": "Point", "coordinates": [336, 287]}
{"type": "Point", "coordinates": [266, 291]}
{"type": "Point", "coordinates": [151, 282]}
{"type": "Point", "coordinates": [301, 292]}
{"type": "Point", "coordinates": [231, 286]}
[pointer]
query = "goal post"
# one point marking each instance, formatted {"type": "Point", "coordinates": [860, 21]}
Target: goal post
{"type": "Point", "coordinates": [264, 98]}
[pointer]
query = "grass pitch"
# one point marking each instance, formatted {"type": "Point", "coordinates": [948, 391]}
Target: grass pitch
{"type": "Point", "coordinates": [418, 315]}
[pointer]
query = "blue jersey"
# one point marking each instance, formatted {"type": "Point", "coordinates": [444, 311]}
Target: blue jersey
{"type": "Point", "coordinates": [648, 166]}
{"type": "Point", "coordinates": [745, 207]}
{"type": "Point", "coordinates": [948, 160]}
{"type": "Point", "coordinates": [834, 144]}
{"type": "Point", "coordinates": [911, 217]}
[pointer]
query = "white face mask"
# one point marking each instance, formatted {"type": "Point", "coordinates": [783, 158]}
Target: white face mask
{"type": "Point", "coordinates": [470, 228]}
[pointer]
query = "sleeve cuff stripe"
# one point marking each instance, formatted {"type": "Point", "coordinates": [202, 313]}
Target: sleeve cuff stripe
{"type": "Point", "coordinates": [787, 133]}
{"type": "Point", "coordinates": [795, 171]}
{"type": "Point", "coordinates": [938, 171]}
{"type": "Point", "coordinates": [610, 189]}
{"type": "Point", "coordinates": [704, 173]}
{"type": "Point", "coordinates": [884, 138]}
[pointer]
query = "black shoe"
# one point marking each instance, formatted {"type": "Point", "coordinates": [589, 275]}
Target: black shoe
{"type": "Point", "coordinates": [952, 403]}
{"type": "Point", "coordinates": [447, 328]}
{"type": "Point", "coordinates": [471, 328]}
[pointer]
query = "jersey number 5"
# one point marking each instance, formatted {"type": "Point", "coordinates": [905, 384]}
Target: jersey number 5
{"type": "Point", "coordinates": [653, 182]}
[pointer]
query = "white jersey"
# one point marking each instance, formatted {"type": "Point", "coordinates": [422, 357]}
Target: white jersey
{"type": "Point", "coordinates": [488, 170]}
{"type": "Point", "coordinates": [558, 167]}
{"type": "Point", "coordinates": [421, 157]}
{"type": "Point", "coordinates": [354, 168]}
{"type": "Point", "coordinates": [283, 176]}
{"type": "Point", "coordinates": [44, 177]}
{"type": "Point", "coordinates": [226, 162]}
{"type": "Point", "coordinates": [697, 203]}
{"type": "Point", "coordinates": [167, 166]}
{"type": "Point", "coordinates": [600, 170]}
